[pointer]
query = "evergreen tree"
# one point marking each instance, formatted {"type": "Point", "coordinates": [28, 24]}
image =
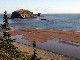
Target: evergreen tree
{"type": "Point", "coordinates": [6, 45]}
{"type": "Point", "coordinates": [8, 49]}
{"type": "Point", "coordinates": [5, 21]}
{"type": "Point", "coordinates": [34, 56]}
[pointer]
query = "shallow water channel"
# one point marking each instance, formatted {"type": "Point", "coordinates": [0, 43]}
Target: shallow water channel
{"type": "Point", "coordinates": [55, 45]}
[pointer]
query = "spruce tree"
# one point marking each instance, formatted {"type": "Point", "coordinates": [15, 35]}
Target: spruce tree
{"type": "Point", "coordinates": [6, 45]}
{"type": "Point", "coordinates": [34, 56]}
{"type": "Point", "coordinates": [8, 48]}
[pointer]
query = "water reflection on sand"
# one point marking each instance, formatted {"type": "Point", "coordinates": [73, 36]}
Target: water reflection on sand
{"type": "Point", "coordinates": [55, 45]}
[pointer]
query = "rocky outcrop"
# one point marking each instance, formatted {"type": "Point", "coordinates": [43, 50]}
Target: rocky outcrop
{"type": "Point", "coordinates": [23, 14]}
{"type": "Point", "coordinates": [38, 14]}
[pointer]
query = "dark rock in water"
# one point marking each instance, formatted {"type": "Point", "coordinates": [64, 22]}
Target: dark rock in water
{"type": "Point", "coordinates": [43, 19]}
{"type": "Point", "coordinates": [38, 14]}
{"type": "Point", "coordinates": [23, 14]}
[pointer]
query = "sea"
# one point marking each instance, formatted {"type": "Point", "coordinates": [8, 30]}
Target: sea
{"type": "Point", "coordinates": [53, 21]}
{"type": "Point", "coordinates": [65, 22]}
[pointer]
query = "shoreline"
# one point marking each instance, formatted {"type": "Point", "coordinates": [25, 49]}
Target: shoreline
{"type": "Point", "coordinates": [21, 18]}
{"type": "Point", "coordinates": [42, 35]}
{"type": "Point", "coordinates": [32, 32]}
{"type": "Point", "coordinates": [46, 55]}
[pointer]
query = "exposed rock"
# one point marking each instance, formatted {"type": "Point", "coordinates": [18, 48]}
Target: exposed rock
{"type": "Point", "coordinates": [38, 14]}
{"type": "Point", "coordinates": [23, 14]}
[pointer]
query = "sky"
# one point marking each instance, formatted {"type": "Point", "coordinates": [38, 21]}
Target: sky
{"type": "Point", "coordinates": [41, 6]}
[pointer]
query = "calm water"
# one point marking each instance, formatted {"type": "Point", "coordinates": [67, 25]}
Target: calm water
{"type": "Point", "coordinates": [53, 21]}
{"type": "Point", "coordinates": [67, 48]}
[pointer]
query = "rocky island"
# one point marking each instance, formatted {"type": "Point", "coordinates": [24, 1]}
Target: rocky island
{"type": "Point", "coordinates": [23, 14]}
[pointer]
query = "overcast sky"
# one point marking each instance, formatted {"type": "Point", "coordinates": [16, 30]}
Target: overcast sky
{"type": "Point", "coordinates": [42, 6]}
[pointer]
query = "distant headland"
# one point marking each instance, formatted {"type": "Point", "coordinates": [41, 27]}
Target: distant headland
{"type": "Point", "coordinates": [23, 14]}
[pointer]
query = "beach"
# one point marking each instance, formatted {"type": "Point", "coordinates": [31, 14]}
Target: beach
{"type": "Point", "coordinates": [42, 35]}
{"type": "Point", "coordinates": [43, 54]}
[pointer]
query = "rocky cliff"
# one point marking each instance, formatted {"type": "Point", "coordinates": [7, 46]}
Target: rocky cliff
{"type": "Point", "coordinates": [23, 14]}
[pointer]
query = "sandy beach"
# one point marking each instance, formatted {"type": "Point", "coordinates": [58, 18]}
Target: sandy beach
{"type": "Point", "coordinates": [45, 55]}
{"type": "Point", "coordinates": [42, 35]}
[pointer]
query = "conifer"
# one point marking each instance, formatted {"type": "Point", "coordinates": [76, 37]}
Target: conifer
{"type": "Point", "coordinates": [8, 48]}
{"type": "Point", "coordinates": [34, 56]}
{"type": "Point", "coordinates": [6, 45]}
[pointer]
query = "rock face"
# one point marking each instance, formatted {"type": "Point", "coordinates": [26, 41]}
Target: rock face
{"type": "Point", "coordinates": [23, 14]}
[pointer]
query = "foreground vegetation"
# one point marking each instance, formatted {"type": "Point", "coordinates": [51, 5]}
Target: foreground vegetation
{"type": "Point", "coordinates": [7, 50]}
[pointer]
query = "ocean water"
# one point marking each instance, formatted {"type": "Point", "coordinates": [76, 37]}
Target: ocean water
{"type": "Point", "coordinates": [53, 21]}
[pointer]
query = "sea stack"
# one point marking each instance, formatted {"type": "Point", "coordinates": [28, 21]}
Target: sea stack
{"type": "Point", "coordinates": [23, 14]}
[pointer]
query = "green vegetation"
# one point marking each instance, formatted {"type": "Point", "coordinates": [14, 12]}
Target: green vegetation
{"type": "Point", "coordinates": [34, 56]}
{"type": "Point", "coordinates": [7, 49]}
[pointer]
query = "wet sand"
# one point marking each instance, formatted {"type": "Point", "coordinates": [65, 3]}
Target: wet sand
{"type": "Point", "coordinates": [42, 35]}
{"type": "Point", "coordinates": [45, 55]}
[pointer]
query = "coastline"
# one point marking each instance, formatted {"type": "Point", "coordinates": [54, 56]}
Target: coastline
{"type": "Point", "coordinates": [42, 35]}
{"type": "Point", "coordinates": [44, 54]}
{"type": "Point", "coordinates": [32, 32]}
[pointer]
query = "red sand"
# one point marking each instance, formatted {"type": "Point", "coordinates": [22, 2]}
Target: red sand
{"type": "Point", "coordinates": [42, 35]}
{"type": "Point", "coordinates": [17, 32]}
